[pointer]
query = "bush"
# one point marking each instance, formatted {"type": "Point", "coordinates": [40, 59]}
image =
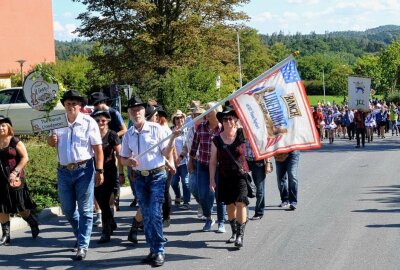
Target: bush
{"type": "Point", "coordinates": [41, 174]}
{"type": "Point", "coordinates": [394, 97]}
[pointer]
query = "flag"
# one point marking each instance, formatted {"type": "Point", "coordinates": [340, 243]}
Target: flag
{"type": "Point", "coordinates": [359, 91]}
{"type": "Point", "coordinates": [275, 112]}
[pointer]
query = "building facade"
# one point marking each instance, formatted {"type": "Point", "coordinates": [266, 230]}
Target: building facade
{"type": "Point", "coordinates": [26, 33]}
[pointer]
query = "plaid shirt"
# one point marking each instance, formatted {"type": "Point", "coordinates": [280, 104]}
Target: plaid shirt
{"type": "Point", "coordinates": [202, 141]}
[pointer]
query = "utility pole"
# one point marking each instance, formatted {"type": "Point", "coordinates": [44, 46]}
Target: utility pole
{"type": "Point", "coordinates": [21, 63]}
{"type": "Point", "coordinates": [239, 63]}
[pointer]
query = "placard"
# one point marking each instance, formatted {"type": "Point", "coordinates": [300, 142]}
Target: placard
{"type": "Point", "coordinates": [49, 123]}
{"type": "Point", "coordinates": [38, 92]}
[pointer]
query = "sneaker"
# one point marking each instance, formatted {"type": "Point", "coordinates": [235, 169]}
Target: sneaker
{"type": "Point", "coordinates": [177, 201]}
{"type": "Point", "coordinates": [199, 211]}
{"type": "Point", "coordinates": [221, 227]}
{"type": "Point", "coordinates": [97, 221]}
{"type": "Point", "coordinates": [208, 225]}
{"type": "Point", "coordinates": [284, 204]}
{"type": "Point", "coordinates": [292, 207]}
{"type": "Point", "coordinates": [185, 206]}
{"type": "Point", "coordinates": [166, 223]}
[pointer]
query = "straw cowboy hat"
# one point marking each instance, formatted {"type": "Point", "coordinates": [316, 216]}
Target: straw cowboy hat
{"type": "Point", "coordinates": [178, 113]}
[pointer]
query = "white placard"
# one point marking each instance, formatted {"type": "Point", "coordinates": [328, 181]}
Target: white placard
{"type": "Point", "coordinates": [38, 92]}
{"type": "Point", "coordinates": [49, 123]}
{"type": "Point", "coordinates": [359, 91]}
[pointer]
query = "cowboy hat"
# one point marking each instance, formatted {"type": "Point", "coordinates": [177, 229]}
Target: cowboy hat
{"type": "Point", "coordinates": [178, 113]}
{"type": "Point", "coordinates": [161, 111]}
{"type": "Point", "coordinates": [197, 110]}
{"type": "Point", "coordinates": [72, 95]}
{"type": "Point", "coordinates": [4, 119]}
{"type": "Point", "coordinates": [98, 97]}
{"type": "Point", "coordinates": [98, 113]}
{"type": "Point", "coordinates": [150, 111]}
{"type": "Point", "coordinates": [136, 101]}
{"type": "Point", "coordinates": [227, 111]}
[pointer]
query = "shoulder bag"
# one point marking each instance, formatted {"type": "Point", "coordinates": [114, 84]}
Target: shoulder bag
{"type": "Point", "coordinates": [251, 187]}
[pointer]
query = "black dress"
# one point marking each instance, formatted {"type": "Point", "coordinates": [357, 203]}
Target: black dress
{"type": "Point", "coordinates": [231, 185]}
{"type": "Point", "coordinates": [13, 200]}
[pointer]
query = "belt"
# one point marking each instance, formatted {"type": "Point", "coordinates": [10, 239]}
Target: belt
{"type": "Point", "coordinates": [251, 159]}
{"type": "Point", "coordinates": [73, 166]}
{"type": "Point", "coordinates": [151, 172]}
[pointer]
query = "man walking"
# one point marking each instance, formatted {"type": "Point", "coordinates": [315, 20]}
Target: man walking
{"type": "Point", "coordinates": [77, 172]}
{"type": "Point", "coordinates": [149, 174]}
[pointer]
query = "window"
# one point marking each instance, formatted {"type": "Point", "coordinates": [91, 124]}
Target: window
{"type": "Point", "coordinates": [20, 97]}
{"type": "Point", "coordinates": [6, 96]}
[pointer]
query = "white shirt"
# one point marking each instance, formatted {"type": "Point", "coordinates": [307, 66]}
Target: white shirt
{"type": "Point", "coordinates": [135, 142]}
{"type": "Point", "coordinates": [75, 141]}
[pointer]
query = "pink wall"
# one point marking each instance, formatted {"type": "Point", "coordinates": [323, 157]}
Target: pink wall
{"type": "Point", "coordinates": [26, 32]}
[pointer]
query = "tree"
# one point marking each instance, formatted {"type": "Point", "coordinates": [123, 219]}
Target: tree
{"type": "Point", "coordinates": [144, 39]}
{"type": "Point", "coordinates": [336, 80]}
{"type": "Point", "coordinates": [390, 66]}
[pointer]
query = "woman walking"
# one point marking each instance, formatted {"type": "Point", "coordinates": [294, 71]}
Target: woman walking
{"type": "Point", "coordinates": [14, 193]}
{"type": "Point", "coordinates": [111, 148]}
{"type": "Point", "coordinates": [228, 149]}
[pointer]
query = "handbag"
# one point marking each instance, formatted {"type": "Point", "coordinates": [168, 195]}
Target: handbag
{"type": "Point", "coordinates": [251, 187]}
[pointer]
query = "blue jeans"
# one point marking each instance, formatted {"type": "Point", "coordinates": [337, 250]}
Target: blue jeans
{"type": "Point", "coordinates": [193, 186]}
{"type": "Point", "coordinates": [258, 171]}
{"type": "Point", "coordinates": [206, 196]}
{"type": "Point", "coordinates": [286, 173]}
{"type": "Point", "coordinates": [181, 173]}
{"type": "Point", "coordinates": [131, 179]}
{"type": "Point", "coordinates": [150, 194]}
{"type": "Point", "coordinates": [77, 187]}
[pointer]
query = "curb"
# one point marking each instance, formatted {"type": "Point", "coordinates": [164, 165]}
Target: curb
{"type": "Point", "coordinates": [17, 223]}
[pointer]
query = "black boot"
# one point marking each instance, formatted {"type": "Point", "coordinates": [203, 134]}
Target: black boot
{"type": "Point", "coordinates": [5, 239]}
{"type": "Point", "coordinates": [132, 236]}
{"type": "Point", "coordinates": [106, 233]}
{"type": "Point", "coordinates": [233, 224]}
{"type": "Point", "coordinates": [240, 235]}
{"type": "Point", "coordinates": [31, 220]}
{"type": "Point", "coordinates": [113, 226]}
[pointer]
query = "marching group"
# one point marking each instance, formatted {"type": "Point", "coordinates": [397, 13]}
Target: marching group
{"type": "Point", "coordinates": [334, 121]}
{"type": "Point", "coordinates": [209, 157]}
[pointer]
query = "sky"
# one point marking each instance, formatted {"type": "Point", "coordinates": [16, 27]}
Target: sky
{"type": "Point", "coordinates": [269, 16]}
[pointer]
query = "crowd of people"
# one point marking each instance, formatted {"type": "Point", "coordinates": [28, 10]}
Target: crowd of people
{"type": "Point", "coordinates": [334, 121]}
{"type": "Point", "coordinates": [207, 158]}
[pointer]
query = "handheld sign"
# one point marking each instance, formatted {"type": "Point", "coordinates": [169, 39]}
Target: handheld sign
{"type": "Point", "coordinates": [41, 95]}
{"type": "Point", "coordinates": [38, 92]}
{"type": "Point", "coordinates": [359, 90]}
{"type": "Point", "coordinates": [49, 123]}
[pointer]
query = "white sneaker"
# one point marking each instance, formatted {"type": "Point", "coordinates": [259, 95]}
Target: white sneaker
{"type": "Point", "coordinates": [97, 221]}
{"type": "Point", "coordinates": [221, 228]}
{"type": "Point", "coordinates": [284, 205]}
{"type": "Point", "coordinates": [199, 212]}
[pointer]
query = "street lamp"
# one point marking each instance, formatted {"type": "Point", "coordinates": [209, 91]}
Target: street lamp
{"type": "Point", "coordinates": [323, 82]}
{"type": "Point", "coordinates": [21, 63]}
{"type": "Point", "coordinates": [239, 63]}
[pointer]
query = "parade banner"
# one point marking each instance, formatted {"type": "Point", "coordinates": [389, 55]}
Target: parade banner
{"type": "Point", "coordinates": [275, 113]}
{"type": "Point", "coordinates": [39, 92]}
{"type": "Point", "coordinates": [359, 91]}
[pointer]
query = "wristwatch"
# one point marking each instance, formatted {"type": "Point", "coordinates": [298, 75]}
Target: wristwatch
{"type": "Point", "coordinates": [100, 170]}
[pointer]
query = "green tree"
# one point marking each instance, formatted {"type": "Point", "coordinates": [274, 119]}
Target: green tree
{"type": "Point", "coordinates": [390, 67]}
{"type": "Point", "coordinates": [336, 80]}
{"type": "Point", "coordinates": [143, 39]}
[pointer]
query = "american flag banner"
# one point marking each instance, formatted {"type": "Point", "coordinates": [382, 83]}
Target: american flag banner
{"type": "Point", "coordinates": [275, 112]}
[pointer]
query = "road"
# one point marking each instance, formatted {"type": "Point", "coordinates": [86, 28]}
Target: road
{"type": "Point", "coordinates": [349, 200]}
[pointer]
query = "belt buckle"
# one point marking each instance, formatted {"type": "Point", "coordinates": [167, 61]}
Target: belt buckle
{"type": "Point", "coordinates": [145, 173]}
{"type": "Point", "coordinates": [72, 166]}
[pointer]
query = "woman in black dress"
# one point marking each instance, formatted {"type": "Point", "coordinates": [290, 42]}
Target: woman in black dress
{"type": "Point", "coordinates": [14, 193]}
{"type": "Point", "coordinates": [231, 188]}
{"type": "Point", "coordinates": [102, 193]}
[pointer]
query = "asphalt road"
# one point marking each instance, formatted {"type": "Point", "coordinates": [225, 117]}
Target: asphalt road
{"type": "Point", "coordinates": [347, 218]}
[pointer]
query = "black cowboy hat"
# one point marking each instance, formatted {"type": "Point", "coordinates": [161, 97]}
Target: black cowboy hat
{"type": "Point", "coordinates": [136, 101]}
{"type": "Point", "coordinates": [161, 111]}
{"type": "Point", "coordinates": [97, 113]}
{"type": "Point", "coordinates": [150, 111]}
{"type": "Point", "coordinates": [72, 95]}
{"type": "Point", "coordinates": [227, 111]}
{"type": "Point", "coordinates": [4, 119]}
{"type": "Point", "coordinates": [98, 97]}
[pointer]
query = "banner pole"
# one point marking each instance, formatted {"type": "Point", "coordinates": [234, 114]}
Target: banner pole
{"type": "Point", "coordinates": [240, 91]}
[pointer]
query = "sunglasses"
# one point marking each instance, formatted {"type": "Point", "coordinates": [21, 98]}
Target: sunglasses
{"type": "Point", "coordinates": [101, 121]}
{"type": "Point", "coordinates": [226, 119]}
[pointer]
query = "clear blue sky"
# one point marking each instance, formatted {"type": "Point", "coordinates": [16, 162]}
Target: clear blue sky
{"type": "Point", "coordinates": [269, 16]}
